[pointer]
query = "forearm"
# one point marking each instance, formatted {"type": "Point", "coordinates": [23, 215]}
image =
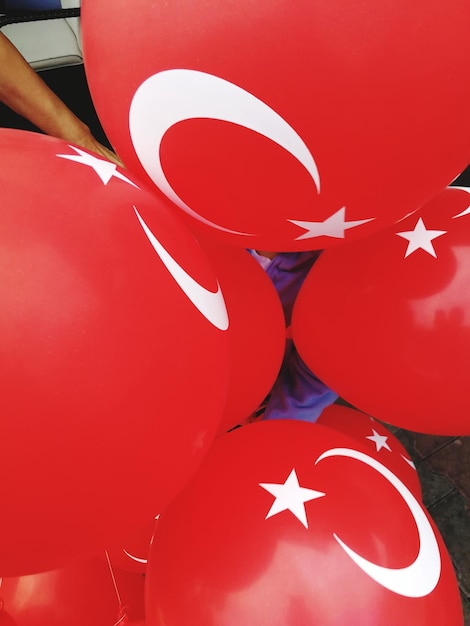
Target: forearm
{"type": "Point", "coordinates": [27, 94]}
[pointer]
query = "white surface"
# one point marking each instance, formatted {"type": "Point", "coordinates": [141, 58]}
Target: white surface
{"type": "Point", "coordinates": [48, 43]}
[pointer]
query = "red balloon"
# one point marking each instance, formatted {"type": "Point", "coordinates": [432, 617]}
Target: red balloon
{"type": "Point", "coordinates": [132, 554]}
{"type": "Point", "coordinates": [386, 321]}
{"type": "Point", "coordinates": [307, 529]}
{"type": "Point", "coordinates": [113, 360]}
{"type": "Point", "coordinates": [85, 592]}
{"type": "Point", "coordinates": [258, 335]}
{"type": "Point", "coordinates": [285, 126]}
{"type": "Point", "coordinates": [375, 439]}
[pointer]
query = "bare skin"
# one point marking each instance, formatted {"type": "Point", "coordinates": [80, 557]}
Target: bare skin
{"type": "Point", "coordinates": [268, 255]}
{"type": "Point", "coordinates": [27, 94]}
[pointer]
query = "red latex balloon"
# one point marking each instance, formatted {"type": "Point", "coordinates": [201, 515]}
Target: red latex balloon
{"type": "Point", "coordinates": [86, 592]}
{"type": "Point", "coordinates": [285, 126]}
{"type": "Point", "coordinates": [375, 439]}
{"type": "Point", "coordinates": [305, 530]}
{"type": "Point", "coordinates": [132, 554]}
{"type": "Point", "coordinates": [386, 321]}
{"type": "Point", "coordinates": [258, 336]}
{"type": "Point", "coordinates": [113, 358]}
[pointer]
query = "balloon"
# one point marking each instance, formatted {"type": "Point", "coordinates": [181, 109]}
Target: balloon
{"type": "Point", "coordinates": [285, 126]}
{"type": "Point", "coordinates": [376, 440]}
{"type": "Point", "coordinates": [84, 592]}
{"type": "Point", "coordinates": [307, 529]}
{"type": "Point", "coordinates": [133, 557]}
{"type": "Point", "coordinates": [113, 358]}
{"type": "Point", "coordinates": [258, 335]}
{"type": "Point", "coordinates": [386, 321]}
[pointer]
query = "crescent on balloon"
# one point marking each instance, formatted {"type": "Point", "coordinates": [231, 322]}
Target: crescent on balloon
{"type": "Point", "coordinates": [135, 558]}
{"type": "Point", "coordinates": [467, 210]}
{"type": "Point", "coordinates": [421, 577]}
{"type": "Point", "coordinates": [173, 96]}
{"type": "Point", "coordinates": [210, 303]}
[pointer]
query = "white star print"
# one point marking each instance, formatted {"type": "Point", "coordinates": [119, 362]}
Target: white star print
{"type": "Point", "coordinates": [421, 239]}
{"type": "Point", "coordinates": [333, 226]}
{"type": "Point", "coordinates": [105, 169]}
{"type": "Point", "coordinates": [379, 440]}
{"type": "Point", "coordinates": [290, 496]}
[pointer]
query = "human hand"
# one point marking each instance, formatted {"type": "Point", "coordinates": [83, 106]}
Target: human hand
{"type": "Point", "coordinates": [90, 143]}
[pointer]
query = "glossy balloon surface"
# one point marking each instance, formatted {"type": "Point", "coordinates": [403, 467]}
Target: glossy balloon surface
{"type": "Point", "coordinates": [375, 439]}
{"type": "Point", "coordinates": [288, 523]}
{"type": "Point", "coordinates": [386, 321]}
{"type": "Point", "coordinates": [131, 555]}
{"type": "Point", "coordinates": [285, 125]}
{"type": "Point", "coordinates": [258, 334]}
{"type": "Point", "coordinates": [84, 592]}
{"type": "Point", "coordinates": [109, 309]}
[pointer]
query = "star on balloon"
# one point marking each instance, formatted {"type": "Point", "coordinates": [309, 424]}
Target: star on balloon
{"type": "Point", "coordinates": [105, 169]}
{"type": "Point", "coordinates": [290, 496]}
{"type": "Point", "coordinates": [333, 226]}
{"type": "Point", "coordinates": [379, 440]}
{"type": "Point", "coordinates": [420, 238]}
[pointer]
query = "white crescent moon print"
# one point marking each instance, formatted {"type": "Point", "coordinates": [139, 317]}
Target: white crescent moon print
{"type": "Point", "coordinates": [421, 577]}
{"type": "Point", "coordinates": [173, 96]}
{"type": "Point", "coordinates": [135, 558]}
{"type": "Point", "coordinates": [211, 304]}
{"type": "Point", "coordinates": [467, 210]}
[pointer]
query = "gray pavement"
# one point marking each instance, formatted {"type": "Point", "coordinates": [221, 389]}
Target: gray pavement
{"type": "Point", "coordinates": [443, 465]}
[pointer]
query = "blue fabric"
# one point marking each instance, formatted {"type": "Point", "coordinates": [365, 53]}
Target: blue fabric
{"type": "Point", "coordinates": [32, 5]}
{"type": "Point", "coordinates": [297, 392]}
